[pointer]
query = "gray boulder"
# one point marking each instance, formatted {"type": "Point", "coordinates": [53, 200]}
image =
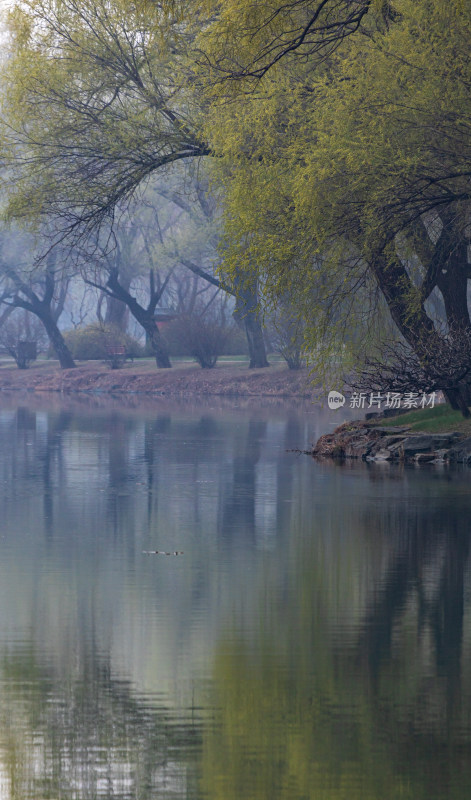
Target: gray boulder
{"type": "Point", "coordinates": [418, 444]}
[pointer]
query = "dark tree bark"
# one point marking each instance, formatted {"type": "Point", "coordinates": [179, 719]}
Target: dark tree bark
{"type": "Point", "coordinates": [413, 323]}
{"type": "Point", "coordinates": [450, 276]}
{"type": "Point", "coordinates": [41, 310]}
{"type": "Point", "coordinates": [144, 316]}
{"type": "Point", "coordinates": [156, 343]}
{"type": "Point", "coordinates": [117, 314]}
{"type": "Point", "coordinates": [453, 282]}
{"type": "Point", "coordinates": [247, 312]}
{"type": "Point", "coordinates": [44, 308]}
{"type": "Point", "coordinates": [55, 337]}
{"type": "Point", "coordinates": [449, 271]}
{"type": "Point", "coordinates": [452, 273]}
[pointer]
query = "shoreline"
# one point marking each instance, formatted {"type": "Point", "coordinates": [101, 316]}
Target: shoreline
{"type": "Point", "coordinates": [393, 443]}
{"type": "Point", "coordinates": [144, 379]}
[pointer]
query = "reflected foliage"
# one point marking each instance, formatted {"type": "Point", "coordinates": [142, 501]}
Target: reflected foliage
{"type": "Point", "coordinates": [86, 736]}
{"type": "Point", "coordinates": [312, 642]}
{"type": "Point", "coordinates": [316, 705]}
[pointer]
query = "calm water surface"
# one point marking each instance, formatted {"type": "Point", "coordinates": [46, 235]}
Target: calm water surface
{"type": "Point", "coordinates": [312, 642]}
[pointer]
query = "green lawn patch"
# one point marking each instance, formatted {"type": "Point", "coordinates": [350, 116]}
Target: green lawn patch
{"type": "Point", "coordinates": [440, 419]}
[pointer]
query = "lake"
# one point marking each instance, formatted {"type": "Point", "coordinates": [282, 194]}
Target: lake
{"type": "Point", "coordinates": [311, 641]}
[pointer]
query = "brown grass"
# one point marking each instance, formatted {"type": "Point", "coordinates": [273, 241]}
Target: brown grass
{"type": "Point", "coordinates": [142, 377]}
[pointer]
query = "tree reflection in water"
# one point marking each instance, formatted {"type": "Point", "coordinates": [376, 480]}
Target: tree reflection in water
{"type": "Point", "coordinates": [89, 737]}
{"type": "Point", "coordinates": [378, 708]}
{"type": "Point", "coordinates": [314, 641]}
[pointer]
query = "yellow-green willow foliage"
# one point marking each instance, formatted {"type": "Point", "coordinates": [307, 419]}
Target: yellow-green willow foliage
{"type": "Point", "coordinates": [96, 98]}
{"type": "Point", "coordinates": [332, 160]}
{"type": "Point", "coordinates": [338, 158]}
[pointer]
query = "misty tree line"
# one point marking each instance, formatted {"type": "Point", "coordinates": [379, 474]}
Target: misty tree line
{"type": "Point", "coordinates": [154, 269]}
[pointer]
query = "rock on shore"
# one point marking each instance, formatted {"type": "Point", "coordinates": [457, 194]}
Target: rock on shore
{"type": "Point", "coordinates": [375, 443]}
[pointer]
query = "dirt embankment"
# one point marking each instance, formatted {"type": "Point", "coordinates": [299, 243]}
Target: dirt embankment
{"type": "Point", "coordinates": [228, 380]}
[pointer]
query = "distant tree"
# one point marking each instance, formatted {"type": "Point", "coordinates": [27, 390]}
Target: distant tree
{"type": "Point", "coordinates": [202, 337]}
{"type": "Point", "coordinates": [129, 277]}
{"type": "Point", "coordinates": [198, 251]}
{"type": "Point", "coordinates": [203, 321]}
{"type": "Point", "coordinates": [118, 85]}
{"type": "Point", "coordinates": [17, 328]}
{"type": "Point", "coordinates": [38, 288]}
{"type": "Point", "coordinates": [286, 331]}
{"type": "Point", "coordinates": [162, 235]}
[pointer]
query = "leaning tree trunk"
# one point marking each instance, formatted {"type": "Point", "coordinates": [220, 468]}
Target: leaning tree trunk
{"type": "Point", "coordinates": [117, 311]}
{"type": "Point", "coordinates": [246, 311]}
{"type": "Point", "coordinates": [42, 310]}
{"type": "Point", "coordinates": [145, 318]}
{"type": "Point", "coordinates": [413, 323]}
{"type": "Point", "coordinates": [453, 285]}
{"type": "Point", "coordinates": [57, 340]}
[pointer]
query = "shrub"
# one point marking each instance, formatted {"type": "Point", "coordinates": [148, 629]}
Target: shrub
{"type": "Point", "coordinates": [91, 342]}
{"type": "Point", "coordinates": [233, 343]}
{"type": "Point", "coordinates": [203, 339]}
{"type": "Point", "coordinates": [22, 336]}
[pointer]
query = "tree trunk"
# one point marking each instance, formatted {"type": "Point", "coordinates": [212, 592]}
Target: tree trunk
{"type": "Point", "coordinates": [57, 340]}
{"type": "Point", "coordinates": [154, 339]}
{"type": "Point", "coordinates": [255, 340]}
{"type": "Point", "coordinates": [145, 318]}
{"type": "Point", "coordinates": [117, 311]}
{"type": "Point", "coordinates": [453, 284]}
{"type": "Point", "coordinates": [458, 400]}
{"type": "Point", "coordinates": [246, 311]}
{"type": "Point", "coordinates": [414, 323]}
{"type": "Point", "coordinates": [411, 320]}
{"type": "Point", "coordinates": [42, 310]}
{"type": "Point", "coordinates": [452, 281]}
{"type": "Point", "coordinates": [117, 314]}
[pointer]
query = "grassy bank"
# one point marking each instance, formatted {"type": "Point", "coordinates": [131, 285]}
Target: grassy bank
{"type": "Point", "coordinates": [440, 419]}
{"type": "Point", "coordinates": [229, 378]}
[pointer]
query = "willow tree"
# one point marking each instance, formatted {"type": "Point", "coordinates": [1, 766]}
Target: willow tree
{"type": "Point", "coordinates": [38, 288]}
{"type": "Point", "coordinates": [98, 97]}
{"type": "Point", "coordinates": [250, 39]}
{"type": "Point", "coordinates": [91, 108]}
{"type": "Point", "coordinates": [347, 170]}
